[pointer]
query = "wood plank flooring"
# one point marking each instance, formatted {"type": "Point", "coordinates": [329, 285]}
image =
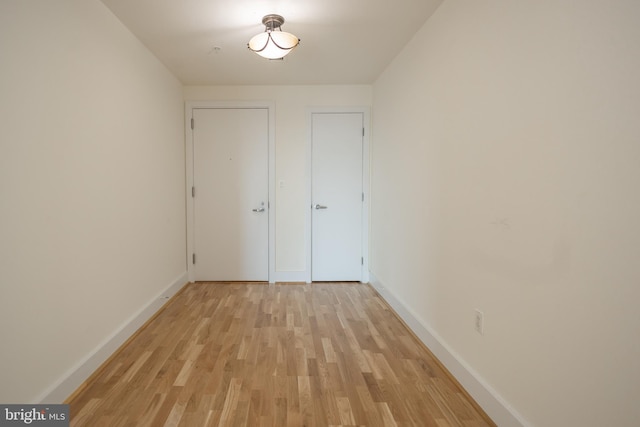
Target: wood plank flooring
{"type": "Point", "coordinates": [242, 354]}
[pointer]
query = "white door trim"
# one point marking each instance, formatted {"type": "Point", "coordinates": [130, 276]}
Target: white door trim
{"type": "Point", "coordinates": [189, 107]}
{"type": "Point", "coordinates": [365, 185]}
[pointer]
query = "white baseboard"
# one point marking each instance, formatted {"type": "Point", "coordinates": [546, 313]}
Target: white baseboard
{"type": "Point", "coordinates": [290, 276]}
{"type": "Point", "coordinates": [489, 400]}
{"type": "Point", "coordinates": [73, 378]}
{"type": "Point", "coordinates": [305, 276]}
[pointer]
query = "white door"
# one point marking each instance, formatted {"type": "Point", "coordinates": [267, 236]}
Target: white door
{"type": "Point", "coordinates": [336, 195]}
{"type": "Point", "coordinates": [230, 176]}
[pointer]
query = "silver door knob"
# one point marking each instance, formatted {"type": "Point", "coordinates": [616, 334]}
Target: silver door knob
{"type": "Point", "coordinates": [258, 210]}
{"type": "Point", "coordinates": [319, 207]}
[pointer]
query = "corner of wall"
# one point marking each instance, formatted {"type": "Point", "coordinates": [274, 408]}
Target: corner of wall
{"type": "Point", "coordinates": [488, 399]}
{"type": "Point", "coordinates": [73, 378]}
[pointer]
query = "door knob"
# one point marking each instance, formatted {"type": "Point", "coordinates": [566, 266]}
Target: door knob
{"type": "Point", "coordinates": [260, 209]}
{"type": "Point", "coordinates": [317, 206]}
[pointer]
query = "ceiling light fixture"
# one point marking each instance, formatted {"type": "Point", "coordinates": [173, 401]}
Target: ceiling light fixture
{"type": "Point", "coordinates": [273, 44]}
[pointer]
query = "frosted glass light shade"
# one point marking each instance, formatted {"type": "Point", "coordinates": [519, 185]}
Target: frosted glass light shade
{"type": "Point", "coordinates": [273, 44]}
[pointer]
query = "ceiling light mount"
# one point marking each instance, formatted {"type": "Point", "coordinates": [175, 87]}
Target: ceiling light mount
{"type": "Point", "coordinates": [272, 22]}
{"type": "Point", "coordinates": [273, 43]}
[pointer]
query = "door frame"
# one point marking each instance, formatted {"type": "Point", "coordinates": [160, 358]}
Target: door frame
{"type": "Point", "coordinates": [189, 107]}
{"type": "Point", "coordinates": [366, 159]}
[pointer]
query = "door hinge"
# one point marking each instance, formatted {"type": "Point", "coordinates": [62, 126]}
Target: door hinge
{"type": "Point", "coordinates": [193, 191]}
{"type": "Point", "coordinates": [192, 123]}
{"type": "Point", "coordinates": [363, 197]}
{"type": "Point", "coordinates": [193, 258]}
{"type": "Point", "coordinates": [361, 260]}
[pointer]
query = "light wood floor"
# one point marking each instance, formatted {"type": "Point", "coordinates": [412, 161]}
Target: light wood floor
{"type": "Point", "coordinates": [322, 354]}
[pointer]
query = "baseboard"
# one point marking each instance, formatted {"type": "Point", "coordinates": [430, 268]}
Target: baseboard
{"type": "Point", "coordinates": [73, 378]}
{"type": "Point", "coordinates": [489, 400]}
{"type": "Point", "coordinates": [304, 277]}
{"type": "Point", "coordinates": [290, 276]}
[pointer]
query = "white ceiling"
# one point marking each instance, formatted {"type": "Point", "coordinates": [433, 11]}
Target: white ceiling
{"type": "Point", "coordinates": [342, 41]}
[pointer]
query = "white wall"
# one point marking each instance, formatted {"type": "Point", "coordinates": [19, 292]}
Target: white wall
{"type": "Point", "coordinates": [291, 139]}
{"type": "Point", "coordinates": [506, 166]}
{"type": "Point", "coordinates": [92, 223]}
